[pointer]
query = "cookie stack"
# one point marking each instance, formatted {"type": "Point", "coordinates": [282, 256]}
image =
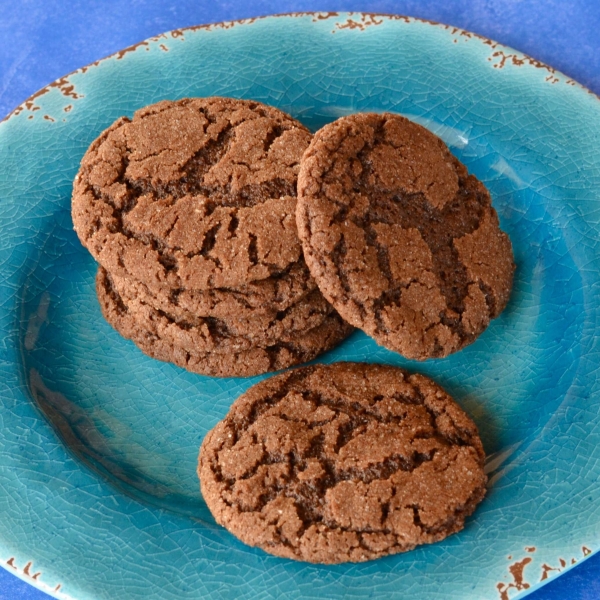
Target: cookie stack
{"type": "Point", "coordinates": [190, 210]}
{"type": "Point", "coordinates": [201, 213]}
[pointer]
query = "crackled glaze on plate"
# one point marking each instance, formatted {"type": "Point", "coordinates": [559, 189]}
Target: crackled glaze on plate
{"type": "Point", "coordinates": [98, 443]}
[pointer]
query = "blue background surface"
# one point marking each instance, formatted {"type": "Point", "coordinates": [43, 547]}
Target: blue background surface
{"type": "Point", "coordinates": [43, 40]}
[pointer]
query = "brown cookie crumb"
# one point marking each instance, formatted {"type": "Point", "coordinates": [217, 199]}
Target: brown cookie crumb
{"type": "Point", "coordinates": [344, 462]}
{"type": "Point", "coordinates": [400, 238]}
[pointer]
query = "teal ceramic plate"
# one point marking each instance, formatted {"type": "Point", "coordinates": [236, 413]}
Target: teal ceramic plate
{"type": "Point", "coordinates": [98, 443]}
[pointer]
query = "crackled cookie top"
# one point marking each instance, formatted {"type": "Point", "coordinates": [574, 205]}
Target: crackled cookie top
{"type": "Point", "coordinates": [344, 462]}
{"type": "Point", "coordinates": [195, 194]}
{"type": "Point", "coordinates": [399, 237]}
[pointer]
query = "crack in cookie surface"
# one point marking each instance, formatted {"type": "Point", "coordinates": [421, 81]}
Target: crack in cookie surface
{"type": "Point", "coordinates": [276, 293]}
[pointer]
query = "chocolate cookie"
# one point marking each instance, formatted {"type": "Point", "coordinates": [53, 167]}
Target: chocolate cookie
{"type": "Point", "coordinates": [139, 327]}
{"type": "Point", "coordinates": [230, 333]}
{"type": "Point", "coordinates": [193, 194]}
{"type": "Point", "coordinates": [342, 462]}
{"type": "Point", "coordinates": [400, 238]}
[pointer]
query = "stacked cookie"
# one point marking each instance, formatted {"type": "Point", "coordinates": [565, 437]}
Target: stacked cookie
{"type": "Point", "coordinates": [190, 210]}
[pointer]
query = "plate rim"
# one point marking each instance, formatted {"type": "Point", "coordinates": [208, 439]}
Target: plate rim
{"type": "Point", "coordinates": [61, 81]}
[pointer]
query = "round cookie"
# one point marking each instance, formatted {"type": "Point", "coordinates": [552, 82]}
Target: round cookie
{"type": "Point", "coordinates": [301, 347]}
{"type": "Point", "coordinates": [232, 333]}
{"type": "Point", "coordinates": [195, 194]}
{"type": "Point", "coordinates": [342, 462]}
{"type": "Point", "coordinates": [400, 238]}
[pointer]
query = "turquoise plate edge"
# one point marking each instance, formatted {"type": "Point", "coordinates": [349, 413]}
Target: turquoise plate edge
{"type": "Point", "coordinates": [55, 510]}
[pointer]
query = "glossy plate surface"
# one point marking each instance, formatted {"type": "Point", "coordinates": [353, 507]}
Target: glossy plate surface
{"type": "Point", "coordinates": [98, 443]}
